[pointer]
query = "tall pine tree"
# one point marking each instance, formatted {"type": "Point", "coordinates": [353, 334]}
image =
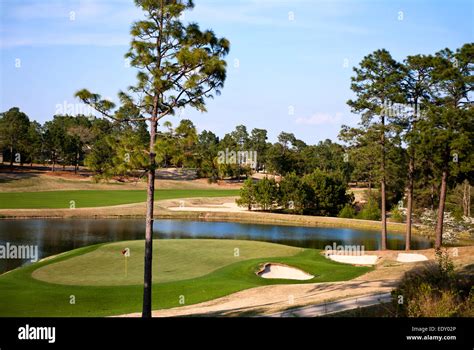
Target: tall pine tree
{"type": "Point", "coordinates": [178, 66]}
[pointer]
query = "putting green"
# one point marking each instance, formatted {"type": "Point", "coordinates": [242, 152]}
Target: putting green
{"type": "Point", "coordinates": [173, 260]}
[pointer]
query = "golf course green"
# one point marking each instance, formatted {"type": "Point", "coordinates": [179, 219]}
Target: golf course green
{"type": "Point", "coordinates": [99, 281]}
{"type": "Point", "coordinates": [93, 199]}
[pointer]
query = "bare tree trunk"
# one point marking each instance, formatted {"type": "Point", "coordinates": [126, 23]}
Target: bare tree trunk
{"type": "Point", "coordinates": [384, 216]}
{"type": "Point", "coordinates": [383, 191]}
{"type": "Point", "coordinates": [411, 175]}
{"type": "Point", "coordinates": [54, 161]}
{"type": "Point", "coordinates": [11, 157]}
{"type": "Point", "coordinates": [76, 166]}
{"type": "Point", "coordinates": [411, 167]}
{"type": "Point", "coordinates": [146, 312]}
{"type": "Point", "coordinates": [442, 201]}
{"type": "Point", "coordinates": [468, 200]}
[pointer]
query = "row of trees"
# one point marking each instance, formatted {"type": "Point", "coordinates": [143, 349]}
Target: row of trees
{"type": "Point", "coordinates": [318, 193]}
{"type": "Point", "coordinates": [416, 129]}
{"type": "Point", "coordinates": [69, 140]}
{"type": "Point", "coordinates": [116, 149]}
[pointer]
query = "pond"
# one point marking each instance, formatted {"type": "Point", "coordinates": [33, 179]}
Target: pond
{"type": "Point", "coordinates": [53, 236]}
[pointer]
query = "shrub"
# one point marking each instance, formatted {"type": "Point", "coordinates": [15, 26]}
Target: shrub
{"type": "Point", "coordinates": [435, 290]}
{"type": "Point", "coordinates": [347, 212]}
{"type": "Point", "coordinates": [266, 193]}
{"type": "Point", "coordinates": [430, 302]}
{"type": "Point", "coordinates": [396, 215]}
{"type": "Point", "coordinates": [293, 193]}
{"type": "Point", "coordinates": [247, 194]}
{"type": "Point", "coordinates": [370, 211]}
{"type": "Point", "coordinates": [329, 193]}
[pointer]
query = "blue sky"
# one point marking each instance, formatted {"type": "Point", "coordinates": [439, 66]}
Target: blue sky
{"type": "Point", "coordinates": [289, 67]}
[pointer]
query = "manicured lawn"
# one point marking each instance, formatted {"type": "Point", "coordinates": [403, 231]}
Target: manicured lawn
{"type": "Point", "coordinates": [192, 271]}
{"type": "Point", "coordinates": [92, 199]}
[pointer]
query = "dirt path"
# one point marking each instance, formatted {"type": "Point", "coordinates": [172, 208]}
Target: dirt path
{"type": "Point", "coordinates": [336, 306]}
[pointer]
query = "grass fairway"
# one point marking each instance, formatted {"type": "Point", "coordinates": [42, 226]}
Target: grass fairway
{"type": "Point", "coordinates": [93, 199]}
{"type": "Point", "coordinates": [198, 270]}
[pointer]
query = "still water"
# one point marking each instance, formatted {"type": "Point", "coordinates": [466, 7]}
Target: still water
{"type": "Point", "coordinates": [57, 236]}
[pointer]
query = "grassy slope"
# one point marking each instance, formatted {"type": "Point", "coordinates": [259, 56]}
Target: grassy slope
{"type": "Point", "coordinates": [91, 199]}
{"type": "Point", "coordinates": [42, 182]}
{"type": "Point", "coordinates": [27, 296]}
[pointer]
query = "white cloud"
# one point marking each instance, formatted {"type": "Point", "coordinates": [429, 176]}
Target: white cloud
{"type": "Point", "coordinates": [320, 119]}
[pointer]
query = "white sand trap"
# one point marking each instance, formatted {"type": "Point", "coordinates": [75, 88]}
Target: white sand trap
{"type": "Point", "coordinates": [224, 207]}
{"type": "Point", "coordinates": [283, 272]}
{"type": "Point", "coordinates": [354, 259]}
{"type": "Point", "coordinates": [408, 258]}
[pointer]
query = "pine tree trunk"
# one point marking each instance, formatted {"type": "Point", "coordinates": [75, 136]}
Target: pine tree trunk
{"type": "Point", "coordinates": [411, 167]}
{"type": "Point", "coordinates": [383, 191]}
{"type": "Point", "coordinates": [411, 176]}
{"type": "Point", "coordinates": [146, 312]}
{"type": "Point", "coordinates": [11, 157]}
{"type": "Point", "coordinates": [442, 202]}
{"type": "Point", "coordinates": [384, 217]}
{"type": "Point", "coordinates": [76, 166]}
{"type": "Point", "coordinates": [466, 198]}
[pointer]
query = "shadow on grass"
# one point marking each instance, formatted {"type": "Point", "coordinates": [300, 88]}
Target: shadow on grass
{"type": "Point", "coordinates": [229, 313]}
{"type": "Point", "coordinates": [8, 174]}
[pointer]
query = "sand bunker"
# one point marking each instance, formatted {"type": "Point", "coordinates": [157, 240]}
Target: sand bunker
{"type": "Point", "coordinates": [354, 259]}
{"type": "Point", "coordinates": [224, 207]}
{"type": "Point", "coordinates": [407, 258]}
{"type": "Point", "coordinates": [283, 272]}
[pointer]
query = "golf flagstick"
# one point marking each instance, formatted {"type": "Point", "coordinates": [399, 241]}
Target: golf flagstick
{"type": "Point", "coordinates": [126, 254]}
